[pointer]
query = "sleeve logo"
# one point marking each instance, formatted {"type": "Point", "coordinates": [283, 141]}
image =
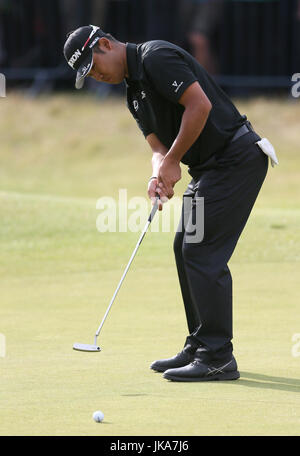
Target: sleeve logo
{"type": "Point", "coordinates": [175, 84]}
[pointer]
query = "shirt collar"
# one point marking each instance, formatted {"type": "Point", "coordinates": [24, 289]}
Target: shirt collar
{"type": "Point", "coordinates": [133, 63]}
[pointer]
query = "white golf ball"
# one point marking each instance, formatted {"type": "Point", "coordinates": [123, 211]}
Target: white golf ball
{"type": "Point", "coordinates": [98, 416]}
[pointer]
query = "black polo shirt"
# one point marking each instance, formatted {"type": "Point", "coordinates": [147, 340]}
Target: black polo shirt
{"type": "Point", "coordinates": [159, 73]}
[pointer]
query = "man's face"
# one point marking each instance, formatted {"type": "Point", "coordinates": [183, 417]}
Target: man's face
{"type": "Point", "coordinates": [107, 66]}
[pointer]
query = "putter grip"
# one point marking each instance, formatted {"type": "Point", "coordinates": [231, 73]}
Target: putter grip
{"type": "Point", "coordinates": [154, 209]}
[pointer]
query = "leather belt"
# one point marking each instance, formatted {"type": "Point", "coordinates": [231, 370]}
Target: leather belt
{"type": "Point", "coordinates": [242, 131]}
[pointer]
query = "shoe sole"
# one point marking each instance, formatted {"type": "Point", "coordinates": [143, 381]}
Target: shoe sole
{"type": "Point", "coordinates": [159, 370]}
{"type": "Point", "coordinates": [226, 376]}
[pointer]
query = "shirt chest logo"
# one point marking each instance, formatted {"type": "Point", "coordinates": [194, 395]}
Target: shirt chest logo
{"type": "Point", "coordinates": [135, 105]}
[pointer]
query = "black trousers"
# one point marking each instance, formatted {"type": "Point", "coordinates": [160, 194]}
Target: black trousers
{"type": "Point", "coordinates": [229, 185]}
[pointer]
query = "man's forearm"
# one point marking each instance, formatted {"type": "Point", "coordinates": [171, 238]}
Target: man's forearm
{"type": "Point", "coordinates": [157, 158]}
{"type": "Point", "coordinates": [192, 123]}
{"type": "Point", "coordinates": [159, 152]}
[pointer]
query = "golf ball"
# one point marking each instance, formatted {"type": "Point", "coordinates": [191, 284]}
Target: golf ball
{"type": "Point", "coordinates": [98, 416]}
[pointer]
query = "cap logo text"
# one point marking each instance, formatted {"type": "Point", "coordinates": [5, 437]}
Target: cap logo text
{"type": "Point", "coordinates": [94, 42]}
{"type": "Point", "coordinates": [74, 58]}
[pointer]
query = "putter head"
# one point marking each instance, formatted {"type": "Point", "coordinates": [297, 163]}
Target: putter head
{"type": "Point", "coordinates": [86, 347]}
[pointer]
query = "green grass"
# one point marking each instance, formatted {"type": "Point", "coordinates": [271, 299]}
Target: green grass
{"type": "Point", "coordinates": [58, 156]}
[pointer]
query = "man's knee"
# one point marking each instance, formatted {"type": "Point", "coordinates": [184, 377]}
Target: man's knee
{"type": "Point", "coordinates": [192, 250]}
{"type": "Point", "coordinates": [199, 255]}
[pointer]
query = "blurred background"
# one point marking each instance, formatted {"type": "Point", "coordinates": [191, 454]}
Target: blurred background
{"type": "Point", "coordinates": [248, 45]}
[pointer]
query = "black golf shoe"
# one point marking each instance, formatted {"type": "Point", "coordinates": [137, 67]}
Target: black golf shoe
{"type": "Point", "coordinates": [198, 371]}
{"type": "Point", "coordinates": [183, 358]}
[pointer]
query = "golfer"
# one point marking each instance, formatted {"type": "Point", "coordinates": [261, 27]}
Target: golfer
{"type": "Point", "coordinates": [187, 118]}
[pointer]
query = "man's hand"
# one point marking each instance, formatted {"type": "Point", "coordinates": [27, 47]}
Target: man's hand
{"type": "Point", "coordinates": [168, 174]}
{"type": "Point", "coordinates": [153, 191]}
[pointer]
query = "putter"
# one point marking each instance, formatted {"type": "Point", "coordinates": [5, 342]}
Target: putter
{"type": "Point", "coordinates": [95, 347]}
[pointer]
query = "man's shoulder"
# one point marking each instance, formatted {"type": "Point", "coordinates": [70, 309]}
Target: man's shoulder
{"type": "Point", "coordinates": [155, 48]}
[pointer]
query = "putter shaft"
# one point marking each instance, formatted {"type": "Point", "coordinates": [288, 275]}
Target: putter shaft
{"type": "Point", "coordinates": [150, 218]}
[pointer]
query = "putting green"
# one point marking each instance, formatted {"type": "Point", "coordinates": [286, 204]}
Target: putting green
{"type": "Point", "coordinates": [58, 274]}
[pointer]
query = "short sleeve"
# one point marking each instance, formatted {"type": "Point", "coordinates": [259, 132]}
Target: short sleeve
{"type": "Point", "coordinates": [169, 73]}
{"type": "Point", "coordinates": [145, 129]}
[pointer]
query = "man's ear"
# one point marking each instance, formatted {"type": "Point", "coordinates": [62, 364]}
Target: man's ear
{"type": "Point", "coordinates": [104, 44]}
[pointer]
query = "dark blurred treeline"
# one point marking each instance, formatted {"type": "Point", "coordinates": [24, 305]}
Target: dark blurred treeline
{"type": "Point", "coordinates": [243, 42]}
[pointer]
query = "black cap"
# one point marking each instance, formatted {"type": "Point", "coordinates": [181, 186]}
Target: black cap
{"type": "Point", "coordinates": [78, 50]}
